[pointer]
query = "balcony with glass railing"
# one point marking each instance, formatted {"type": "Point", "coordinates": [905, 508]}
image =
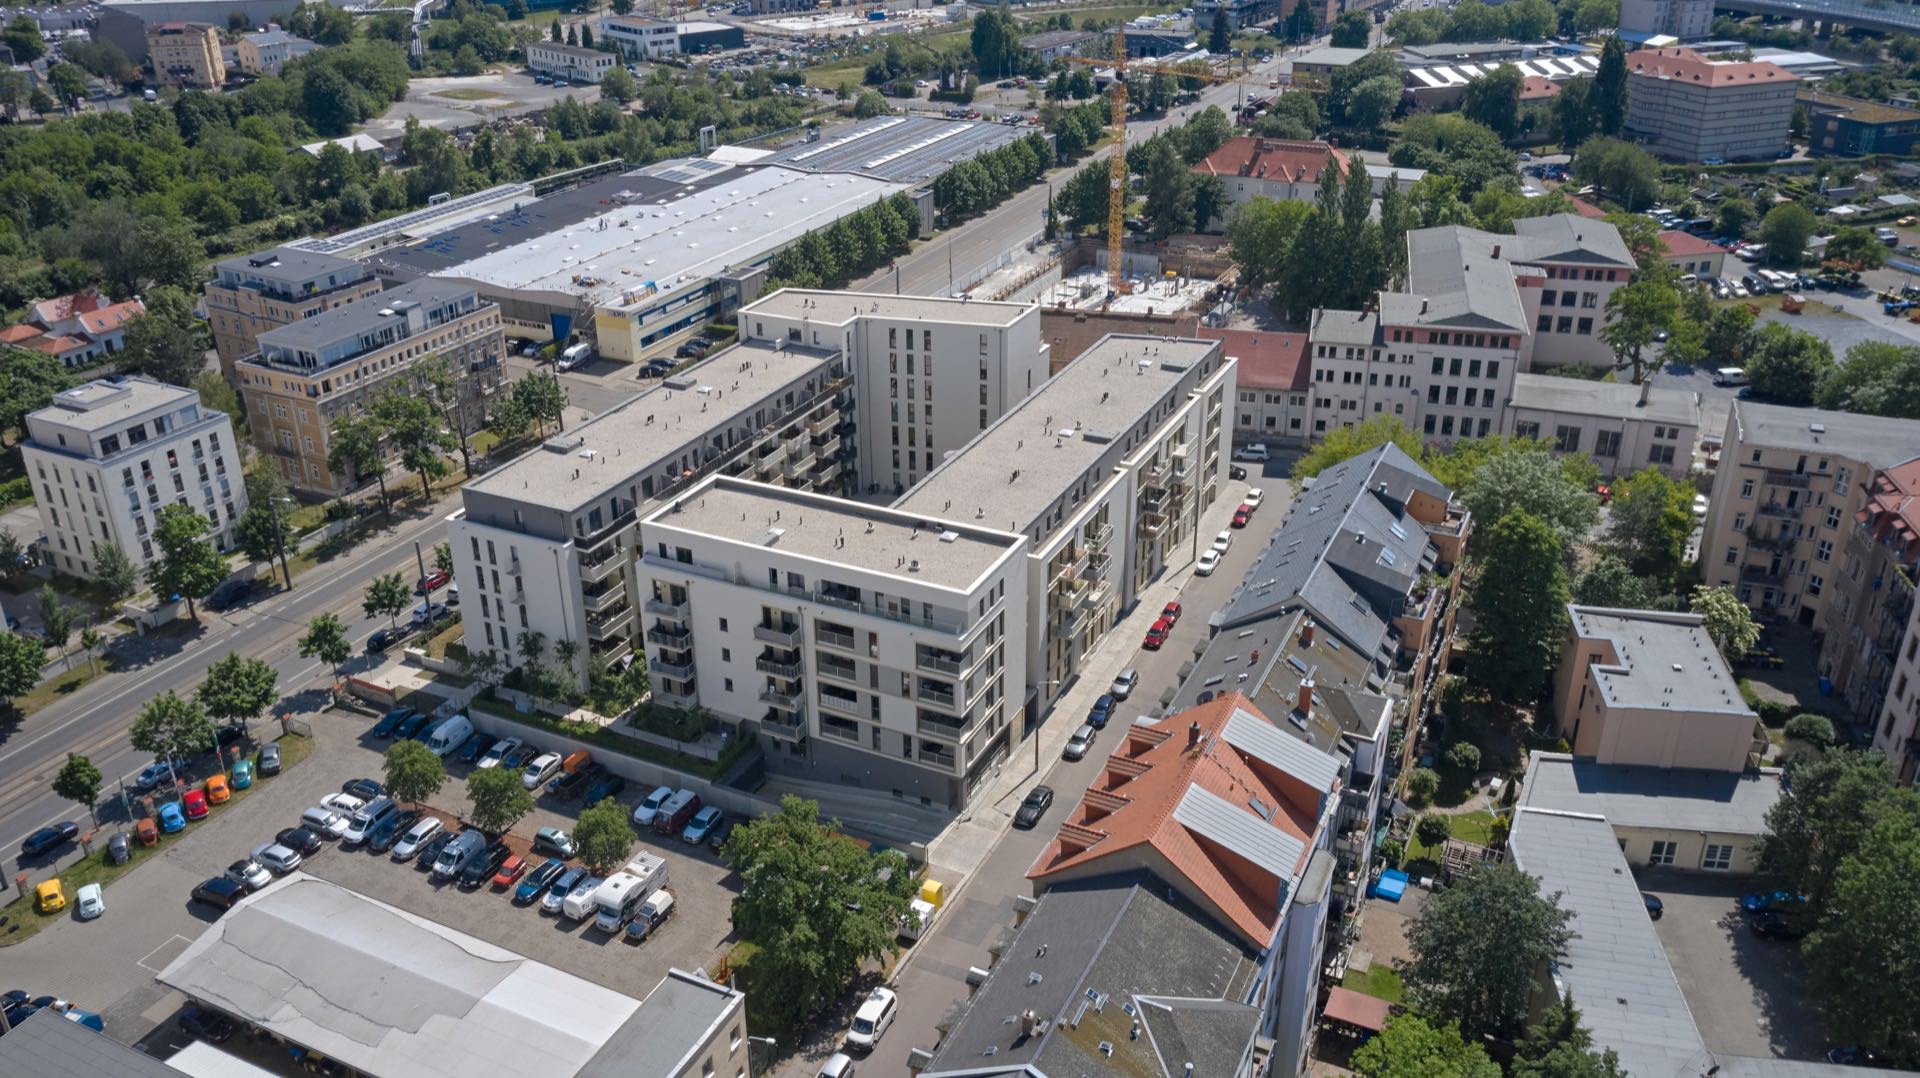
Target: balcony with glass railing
{"type": "Point", "coordinates": [835, 667]}
{"type": "Point", "coordinates": [670, 636]}
{"type": "Point", "coordinates": [600, 565]}
{"type": "Point", "coordinates": [786, 635]}
{"type": "Point", "coordinates": [1097, 595]}
{"type": "Point", "coordinates": [935, 693]}
{"type": "Point", "coordinates": [842, 705]}
{"type": "Point", "coordinates": [1099, 536]}
{"type": "Point", "coordinates": [786, 701]}
{"type": "Point", "coordinates": [675, 611]}
{"type": "Point", "coordinates": [833, 638]}
{"type": "Point", "coordinates": [938, 725]}
{"type": "Point", "coordinates": [946, 662]}
{"type": "Point", "coordinates": [604, 626]}
{"type": "Point", "coordinates": [945, 759]}
{"type": "Point", "coordinates": [831, 726]}
{"type": "Point", "coordinates": [791, 725]}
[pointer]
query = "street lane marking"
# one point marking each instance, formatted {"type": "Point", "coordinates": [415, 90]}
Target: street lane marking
{"type": "Point", "coordinates": [183, 943]}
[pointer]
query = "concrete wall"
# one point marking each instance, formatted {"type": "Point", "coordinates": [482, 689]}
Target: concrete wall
{"type": "Point", "coordinates": [1689, 847]}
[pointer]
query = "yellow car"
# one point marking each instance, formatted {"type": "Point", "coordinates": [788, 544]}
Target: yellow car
{"type": "Point", "coordinates": [1907, 221]}
{"type": "Point", "coordinates": [48, 898]}
{"type": "Point", "coordinates": [218, 792]}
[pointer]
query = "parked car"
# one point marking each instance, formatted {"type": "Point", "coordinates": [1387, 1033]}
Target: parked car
{"type": "Point", "coordinates": [194, 804]}
{"type": "Point", "coordinates": [1222, 542]}
{"type": "Point", "coordinates": [1778, 925]}
{"type": "Point", "coordinates": [385, 833]}
{"type": "Point", "coordinates": [89, 902]}
{"type": "Point", "coordinates": [382, 640]}
{"type": "Point", "coordinates": [300, 840]}
{"type": "Point", "coordinates": [390, 722]}
{"type": "Point", "coordinates": [1101, 711]}
{"type": "Point", "coordinates": [520, 757]}
{"type": "Point", "coordinates": [145, 833]}
{"type": "Point", "coordinates": [500, 751]}
{"type": "Point", "coordinates": [568, 787]}
{"type": "Point", "coordinates": [270, 759]}
{"type": "Point", "coordinates": [555, 841]}
{"type": "Point", "coordinates": [218, 790]}
{"type": "Point", "coordinates": [717, 838]}
{"type": "Point", "coordinates": [510, 870]}
{"type": "Point", "coordinates": [644, 812]}
{"type": "Point", "coordinates": [206, 1025]}
{"type": "Point", "coordinates": [1171, 612]}
{"type": "Point", "coordinates": [277, 856]}
{"type": "Point", "coordinates": [1236, 472]}
{"type": "Point", "coordinates": [427, 613]}
{"type": "Point", "coordinates": [49, 838]}
{"type": "Point", "coordinates": [560, 888]}
{"type": "Point", "coordinates": [364, 789]}
{"type": "Point", "coordinates": [703, 822]}
{"type": "Point", "coordinates": [1157, 634]}
{"type": "Point", "coordinates": [1209, 561]}
{"type": "Point", "coordinates": [151, 776]}
{"type": "Point", "coordinates": [324, 821]}
{"type": "Point", "coordinates": [838, 1065]}
{"type": "Point", "coordinates": [120, 848]}
{"type": "Point", "coordinates": [243, 775]}
{"type": "Point", "coordinates": [607, 785]}
{"type": "Point", "coordinates": [221, 892]}
{"type": "Point", "coordinates": [432, 582]}
{"type": "Point", "coordinates": [470, 751]}
{"type": "Point", "coordinates": [411, 726]}
{"type": "Point", "coordinates": [1080, 742]}
{"type": "Point", "coordinates": [1762, 901]}
{"type": "Point", "coordinates": [1033, 806]}
{"type": "Point", "coordinates": [1242, 515]}
{"type": "Point", "coordinates": [1254, 497]}
{"type": "Point", "coordinates": [430, 853]}
{"type": "Point", "coordinates": [870, 1022]}
{"type": "Point", "coordinates": [537, 881]}
{"type": "Point", "coordinates": [480, 867]}
{"type": "Point", "coordinates": [540, 769]}
{"type": "Point", "coordinates": [172, 820]}
{"type": "Point", "coordinates": [249, 873]}
{"type": "Point", "coordinates": [1655, 907]}
{"type": "Point", "coordinates": [415, 837]}
{"type": "Point", "coordinates": [228, 594]}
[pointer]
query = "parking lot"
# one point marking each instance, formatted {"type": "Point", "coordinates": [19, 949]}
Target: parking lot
{"type": "Point", "coordinates": [1747, 994]}
{"type": "Point", "coordinates": [108, 964]}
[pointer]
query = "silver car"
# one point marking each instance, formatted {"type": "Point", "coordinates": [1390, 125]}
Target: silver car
{"type": "Point", "coordinates": [277, 857]}
{"type": "Point", "coordinates": [556, 895]}
{"type": "Point", "coordinates": [324, 822]}
{"type": "Point", "coordinates": [416, 837]}
{"type": "Point", "coordinates": [251, 874]}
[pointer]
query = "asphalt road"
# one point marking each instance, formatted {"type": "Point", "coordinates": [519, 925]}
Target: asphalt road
{"type": "Point", "coordinates": [94, 723]}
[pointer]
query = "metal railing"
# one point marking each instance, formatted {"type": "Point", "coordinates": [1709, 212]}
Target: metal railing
{"type": "Point", "coordinates": [841, 732]}
{"type": "Point", "coordinates": [667, 692]}
{"type": "Point", "coordinates": [844, 707]}
{"type": "Point", "coordinates": [774, 634]}
{"type": "Point", "coordinates": [784, 725]}
{"type": "Point", "coordinates": [667, 636]}
{"type": "Point", "coordinates": [940, 725]}
{"type": "Point", "coordinates": [947, 760]}
{"type": "Point", "coordinates": [788, 670]}
{"type": "Point", "coordinates": [663, 668]}
{"type": "Point", "coordinates": [676, 611]}
{"type": "Point", "coordinates": [930, 662]}
{"type": "Point", "coordinates": [784, 701]}
{"type": "Point", "coordinates": [1780, 477]}
{"type": "Point", "coordinates": [935, 695]}
{"type": "Point", "coordinates": [843, 641]}
{"type": "Point", "coordinates": [825, 668]}
{"type": "Point", "coordinates": [797, 464]}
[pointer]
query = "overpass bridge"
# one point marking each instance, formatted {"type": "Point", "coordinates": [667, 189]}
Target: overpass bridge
{"type": "Point", "coordinates": [1891, 16]}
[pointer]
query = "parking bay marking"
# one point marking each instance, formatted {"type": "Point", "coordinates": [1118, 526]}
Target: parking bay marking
{"type": "Point", "coordinates": [183, 943]}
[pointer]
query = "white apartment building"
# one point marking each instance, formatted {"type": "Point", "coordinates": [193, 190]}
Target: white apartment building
{"type": "Point", "coordinates": [1106, 470]}
{"type": "Point", "coordinates": [870, 647]}
{"type": "Point", "coordinates": [1624, 428]}
{"type": "Point", "coordinates": [1687, 20]}
{"type": "Point", "coordinates": [570, 62]}
{"type": "Point", "coordinates": [989, 358]}
{"type": "Point", "coordinates": [1790, 487]}
{"type": "Point", "coordinates": [107, 455]}
{"type": "Point", "coordinates": [546, 543]}
{"type": "Point", "coordinates": [1478, 308]}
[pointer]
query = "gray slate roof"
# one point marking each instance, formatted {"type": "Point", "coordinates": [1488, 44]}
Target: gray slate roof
{"type": "Point", "coordinates": [1717, 802]}
{"type": "Point", "coordinates": [1879, 441]}
{"type": "Point", "coordinates": [1463, 277]}
{"type": "Point", "coordinates": [674, 1019]}
{"type": "Point", "coordinates": [1148, 952]}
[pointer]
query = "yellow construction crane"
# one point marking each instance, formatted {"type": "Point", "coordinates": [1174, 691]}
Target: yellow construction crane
{"type": "Point", "coordinates": [1117, 163]}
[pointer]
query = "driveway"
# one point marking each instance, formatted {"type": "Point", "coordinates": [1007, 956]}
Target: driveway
{"type": "Point", "coordinates": [459, 103]}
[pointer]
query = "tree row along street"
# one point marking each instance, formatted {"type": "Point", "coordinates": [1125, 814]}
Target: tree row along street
{"type": "Point", "coordinates": [94, 722]}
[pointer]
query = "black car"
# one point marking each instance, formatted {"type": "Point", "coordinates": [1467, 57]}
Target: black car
{"type": "Point", "coordinates": [717, 838]}
{"type": "Point", "coordinates": [390, 722]}
{"type": "Point", "coordinates": [48, 839]}
{"type": "Point", "coordinates": [270, 759]}
{"type": "Point", "coordinates": [604, 787]}
{"type": "Point", "coordinates": [388, 831]}
{"type": "Point", "coordinates": [1035, 806]}
{"type": "Point", "coordinates": [206, 1025]}
{"type": "Point", "coordinates": [231, 734]}
{"type": "Point", "coordinates": [1655, 907]}
{"type": "Point", "coordinates": [220, 891]}
{"type": "Point", "coordinates": [229, 594]}
{"type": "Point", "coordinates": [364, 789]}
{"type": "Point", "coordinates": [1773, 925]}
{"type": "Point", "coordinates": [410, 726]}
{"type": "Point", "coordinates": [120, 848]}
{"type": "Point", "coordinates": [382, 639]}
{"type": "Point", "coordinates": [300, 840]}
{"type": "Point", "coordinates": [481, 869]}
{"type": "Point", "coordinates": [431, 851]}
{"type": "Point", "coordinates": [475, 745]}
{"type": "Point", "coordinates": [568, 787]}
{"type": "Point", "coordinates": [1234, 471]}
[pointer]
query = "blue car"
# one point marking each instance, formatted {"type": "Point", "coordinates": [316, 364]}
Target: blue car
{"type": "Point", "coordinates": [1764, 901]}
{"type": "Point", "coordinates": [410, 726]}
{"type": "Point", "coordinates": [171, 818]}
{"type": "Point", "coordinates": [539, 880]}
{"type": "Point", "coordinates": [1102, 711]}
{"type": "Point", "coordinates": [391, 721]}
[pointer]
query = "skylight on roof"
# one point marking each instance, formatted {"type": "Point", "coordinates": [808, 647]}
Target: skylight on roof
{"type": "Point", "coordinates": [1386, 556]}
{"type": "Point", "coordinates": [1397, 530]}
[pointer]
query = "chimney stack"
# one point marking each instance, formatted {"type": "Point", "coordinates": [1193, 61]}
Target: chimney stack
{"type": "Point", "coordinates": [1305, 704]}
{"type": "Point", "coordinates": [1496, 250]}
{"type": "Point", "coordinates": [1193, 733]}
{"type": "Point", "coordinates": [1646, 391]}
{"type": "Point", "coordinates": [1306, 634]}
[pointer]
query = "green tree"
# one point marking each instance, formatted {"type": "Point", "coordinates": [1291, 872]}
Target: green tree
{"type": "Point", "coordinates": [1422, 784]}
{"type": "Point", "coordinates": [1260, 236]}
{"type": "Point", "coordinates": [238, 687]}
{"type": "Point", "coordinates": [28, 381]}
{"type": "Point", "coordinates": [870, 104]}
{"type": "Point", "coordinates": [543, 399]}
{"type": "Point", "coordinates": [326, 640]}
{"type": "Point", "coordinates": [164, 343]}
{"type": "Point", "coordinates": [1610, 582]}
{"type": "Point", "coordinates": [1651, 519]}
{"type": "Point", "coordinates": [56, 621]}
{"type": "Point", "coordinates": [1463, 757]}
{"type": "Point", "coordinates": [816, 905]}
{"type": "Point", "coordinates": [1785, 230]}
{"type": "Point", "coordinates": [90, 641]}
{"type": "Point", "coordinates": [1857, 247]}
{"type": "Point", "coordinates": [1531, 481]}
{"type": "Point", "coordinates": [618, 85]}
{"type": "Point", "coordinates": [1628, 174]}
{"type": "Point", "coordinates": [1478, 947]}
{"type": "Point", "coordinates": [187, 566]}
{"type": "Point", "coordinates": [443, 557]}
{"type": "Point", "coordinates": [1730, 336]}
{"type": "Point", "coordinates": [1558, 1046]}
{"type": "Point", "coordinates": [387, 594]}
{"type": "Point", "coordinates": [1520, 608]}
{"type": "Point", "coordinates": [1878, 378]}
{"type": "Point", "coordinates": [415, 427]}
{"type": "Point", "coordinates": [1829, 804]}
{"type": "Point", "coordinates": [1788, 366]}
{"type": "Point", "coordinates": [79, 781]}
{"type": "Point", "coordinates": [1220, 35]}
{"type": "Point", "coordinates": [995, 41]}
{"type": "Point", "coordinates": [216, 393]}
{"type": "Point", "coordinates": [1736, 212]}
{"type": "Point", "coordinates": [604, 836]}
{"type": "Point", "coordinates": [413, 771]}
{"type": "Point", "coordinates": [354, 450]}
{"type": "Point", "coordinates": [261, 531]}
{"type": "Point", "coordinates": [22, 36]}
{"type": "Point", "coordinates": [171, 727]}
{"type": "Point", "coordinates": [499, 800]}
{"type": "Point", "coordinates": [1810, 728]}
{"type": "Point", "coordinates": [1493, 99]}
{"type": "Point", "coordinates": [1573, 113]}
{"type": "Point", "coordinates": [21, 659]}
{"type": "Point", "coordinates": [1411, 1048]}
{"type": "Point", "coordinates": [1352, 441]}
{"type": "Point", "coordinates": [1727, 621]}
{"type": "Point", "coordinates": [1610, 87]}
{"type": "Point", "coordinates": [1351, 30]}
{"type": "Point", "coordinates": [1433, 829]}
{"type": "Point", "coordinates": [1169, 191]}
{"type": "Point", "coordinates": [1859, 958]}
{"type": "Point", "coordinates": [1636, 314]}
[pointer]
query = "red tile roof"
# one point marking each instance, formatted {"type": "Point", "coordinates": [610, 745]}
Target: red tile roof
{"type": "Point", "coordinates": [1538, 88]}
{"type": "Point", "coordinates": [1586, 209]}
{"type": "Point", "coordinates": [1686, 65]}
{"type": "Point", "coordinates": [108, 319]}
{"type": "Point", "coordinates": [1686, 243]}
{"type": "Point", "coordinates": [1267, 360]}
{"type": "Point", "coordinates": [1272, 158]}
{"type": "Point", "coordinates": [58, 309]}
{"type": "Point", "coordinates": [1892, 512]}
{"type": "Point", "coordinates": [1140, 798]}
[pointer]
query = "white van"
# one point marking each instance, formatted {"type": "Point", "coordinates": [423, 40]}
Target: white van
{"type": "Point", "coordinates": [465, 846]}
{"type": "Point", "coordinates": [1730, 376]}
{"type": "Point", "coordinates": [450, 735]}
{"type": "Point", "coordinates": [574, 356]}
{"type": "Point", "coordinates": [1255, 453]}
{"type": "Point", "coordinates": [876, 1013]}
{"type": "Point", "coordinates": [651, 914]}
{"type": "Point", "coordinates": [370, 816]}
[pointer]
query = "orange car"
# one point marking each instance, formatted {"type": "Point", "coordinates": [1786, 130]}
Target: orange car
{"type": "Point", "coordinates": [218, 792]}
{"type": "Point", "coordinates": [147, 832]}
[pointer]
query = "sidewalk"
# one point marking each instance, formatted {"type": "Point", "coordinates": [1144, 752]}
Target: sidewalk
{"type": "Point", "coordinates": [958, 851]}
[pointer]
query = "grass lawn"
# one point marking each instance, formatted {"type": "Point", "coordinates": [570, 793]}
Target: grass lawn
{"type": "Point", "coordinates": [436, 645]}
{"type": "Point", "coordinates": [20, 921]}
{"type": "Point", "coordinates": [468, 93]}
{"type": "Point", "coordinates": [1474, 827]}
{"type": "Point", "coordinates": [1380, 982]}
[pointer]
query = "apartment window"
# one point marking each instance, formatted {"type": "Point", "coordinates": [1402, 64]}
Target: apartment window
{"type": "Point", "coordinates": [1526, 430]}
{"type": "Point", "coordinates": [1433, 394]}
{"type": "Point", "coordinates": [1823, 551]}
{"type": "Point", "coordinates": [1739, 522]}
{"type": "Point", "coordinates": [1833, 516]}
{"type": "Point", "coordinates": [1567, 439]}
{"type": "Point", "coordinates": [1453, 366]}
{"type": "Point", "coordinates": [1493, 368]}
{"type": "Point", "coordinates": [1663, 853]}
{"type": "Point", "coordinates": [1432, 421]}
{"type": "Point", "coordinates": [1606, 443]}
{"type": "Point", "coordinates": [1718, 858]}
{"type": "Point", "coordinates": [1439, 365]}
{"type": "Point", "coordinates": [1586, 326]}
{"type": "Point", "coordinates": [1589, 300]}
{"type": "Point", "coordinates": [1660, 454]}
{"type": "Point", "coordinates": [723, 625]}
{"type": "Point", "coordinates": [1814, 583]}
{"type": "Point", "coordinates": [1446, 426]}
{"type": "Point", "coordinates": [1473, 369]}
{"type": "Point", "coordinates": [1547, 296]}
{"type": "Point", "coordinates": [1746, 489]}
{"type": "Point", "coordinates": [1733, 555]}
{"type": "Point", "coordinates": [1564, 325]}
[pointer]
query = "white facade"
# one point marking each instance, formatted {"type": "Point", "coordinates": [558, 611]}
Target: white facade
{"type": "Point", "coordinates": [1622, 428]}
{"type": "Point", "coordinates": [1685, 19]}
{"type": "Point", "coordinates": [640, 36]}
{"type": "Point", "coordinates": [107, 455]}
{"type": "Point", "coordinates": [978, 360]}
{"type": "Point", "coordinates": [569, 62]}
{"type": "Point", "coordinates": [1447, 385]}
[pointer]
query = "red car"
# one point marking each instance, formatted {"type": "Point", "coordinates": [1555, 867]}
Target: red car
{"type": "Point", "coordinates": [1157, 635]}
{"type": "Point", "coordinates": [1171, 614]}
{"type": "Point", "coordinates": [434, 582]}
{"type": "Point", "coordinates": [510, 870]}
{"type": "Point", "coordinates": [1242, 515]}
{"type": "Point", "coordinates": [195, 804]}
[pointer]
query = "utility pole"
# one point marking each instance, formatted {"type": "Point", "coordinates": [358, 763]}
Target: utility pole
{"type": "Point", "coordinates": [280, 539]}
{"type": "Point", "coordinates": [421, 559]}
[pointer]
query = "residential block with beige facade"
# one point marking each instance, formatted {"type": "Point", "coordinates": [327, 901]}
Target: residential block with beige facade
{"type": "Point", "coordinates": [309, 373]}
{"type": "Point", "coordinates": [1789, 489]}
{"type": "Point", "coordinates": [1624, 428]}
{"type": "Point", "coordinates": [268, 289]}
{"type": "Point", "coordinates": [1867, 627]}
{"type": "Point", "coordinates": [186, 54]}
{"type": "Point", "coordinates": [1685, 107]}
